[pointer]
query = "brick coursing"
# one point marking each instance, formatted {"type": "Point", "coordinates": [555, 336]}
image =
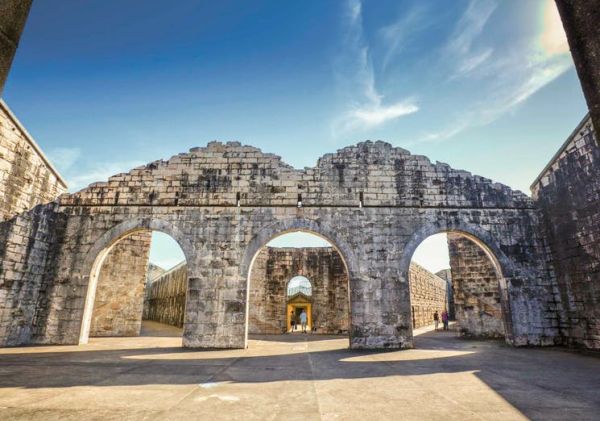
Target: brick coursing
{"type": "Point", "coordinates": [194, 198]}
{"type": "Point", "coordinates": [568, 193]}
{"type": "Point", "coordinates": [477, 299]}
{"type": "Point", "coordinates": [26, 177]}
{"type": "Point", "coordinates": [119, 296]}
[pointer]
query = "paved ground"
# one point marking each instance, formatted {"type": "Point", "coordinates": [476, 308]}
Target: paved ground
{"type": "Point", "coordinates": [295, 377]}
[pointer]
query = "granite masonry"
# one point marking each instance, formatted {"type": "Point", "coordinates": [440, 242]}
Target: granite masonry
{"type": "Point", "coordinates": [271, 271]}
{"type": "Point", "coordinates": [568, 193]}
{"type": "Point", "coordinates": [164, 301]}
{"type": "Point", "coordinates": [120, 291]}
{"type": "Point", "coordinates": [27, 178]}
{"type": "Point", "coordinates": [222, 203]}
{"type": "Point", "coordinates": [475, 282]}
{"type": "Point", "coordinates": [428, 294]}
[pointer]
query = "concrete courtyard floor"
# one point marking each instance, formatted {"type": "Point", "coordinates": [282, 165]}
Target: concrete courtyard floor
{"type": "Point", "coordinates": [296, 377]}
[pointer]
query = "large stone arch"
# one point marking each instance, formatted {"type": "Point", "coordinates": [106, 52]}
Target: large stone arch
{"type": "Point", "coordinates": [101, 248]}
{"type": "Point", "coordinates": [289, 225]}
{"type": "Point", "coordinates": [502, 264]}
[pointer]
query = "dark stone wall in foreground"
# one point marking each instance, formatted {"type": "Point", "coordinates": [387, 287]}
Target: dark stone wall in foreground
{"type": "Point", "coordinates": [568, 192]}
{"type": "Point", "coordinates": [13, 14]}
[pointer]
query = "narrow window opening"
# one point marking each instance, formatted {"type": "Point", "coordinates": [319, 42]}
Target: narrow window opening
{"type": "Point", "coordinates": [299, 200]}
{"type": "Point", "coordinates": [238, 199]}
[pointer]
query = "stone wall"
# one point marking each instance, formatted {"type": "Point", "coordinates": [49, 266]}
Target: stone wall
{"type": "Point", "coordinates": [272, 270]}
{"type": "Point", "coordinates": [119, 298]}
{"type": "Point", "coordinates": [222, 203]}
{"type": "Point", "coordinates": [26, 176]}
{"type": "Point", "coordinates": [428, 294]}
{"type": "Point", "coordinates": [476, 287]}
{"type": "Point", "coordinates": [164, 301]}
{"type": "Point", "coordinates": [29, 246]}
{"type": "Point", "coordinates": [568, 192]}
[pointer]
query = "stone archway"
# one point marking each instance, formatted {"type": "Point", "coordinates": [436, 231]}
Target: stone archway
{"type": "Point", "coordinates": [99, 251]}
{"type": "Point", "coordinates": [281, 228]}
{"type": "Point", "coordinates": [482, 240]}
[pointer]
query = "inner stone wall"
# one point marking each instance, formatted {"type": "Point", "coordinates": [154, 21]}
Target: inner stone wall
{"type": "Point", "coordinates": [568, 192]}
{"type": "Point", "coordinates": [272, 270]}
{"type": "Point", "coordinates": [164, 301]}
{"type": "Point", "coordinates": [476, 288]}
{"type": "Point", "coordinates": [428, 294]}
{"type": "Point", "coordinates": [26, 176]}
{"type": "Point", "coordinates": [119, 297]}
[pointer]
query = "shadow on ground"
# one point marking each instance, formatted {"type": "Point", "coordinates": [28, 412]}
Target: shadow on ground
{"type": "Point", "coordinates": [539, 382]}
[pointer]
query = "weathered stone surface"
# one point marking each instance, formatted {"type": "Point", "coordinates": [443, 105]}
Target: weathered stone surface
{"type": "Point", "coordinates": [26, 176]}
{"type": "Point", "coordinates": [476, 286]}
{"type": "Point", "coordinates": [272, 269]}
{"type": "Point", "coordinates": [119, 299]}
{"type": "Point", "coordinates": [428, 294]}
{"type": "Point", "coordinates": [568, 192]}
{"type": "Point", "coordinates": [194, 198]}
{"type": "Point", "coordinates": [164, 301]}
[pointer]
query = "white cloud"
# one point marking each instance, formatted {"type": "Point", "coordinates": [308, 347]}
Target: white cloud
{"type": "Point", "coordinates": [99, 171]}
{"type": "Point", "coordinates": [365, 107]}
{"type": "Point", "coordinates": [399, 34]}
{"type": "Point", "coordinates": [469, 26]}
{"type": "Point", "coordinates": [508, 77]}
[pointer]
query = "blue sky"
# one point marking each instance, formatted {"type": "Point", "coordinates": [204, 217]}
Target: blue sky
{"type": "Point", "coordinates": [484, 85]}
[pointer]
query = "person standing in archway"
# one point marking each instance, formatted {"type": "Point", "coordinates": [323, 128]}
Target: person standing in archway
{"type": "Point", "coordinates": [293, 321]}
{"type": "Point", "coordinates": [445, 319]}
{"type": "Point", "coordinates": [303, 318]}
{"type": "Point", "coordinates": [436, 319]}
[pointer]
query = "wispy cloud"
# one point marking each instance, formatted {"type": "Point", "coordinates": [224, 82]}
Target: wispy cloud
{"type": "Point", "coordinates": [509, 77]}
{"type": "Point", "coordinates": [398, 35]}
{"type": "Point", "coordinates": [365, 105]}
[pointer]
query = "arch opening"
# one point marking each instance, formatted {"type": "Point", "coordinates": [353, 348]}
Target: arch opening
{"type": "Point", "coordinates": [456, 278]}
{"type": "Point", "coordinates": [295, 272]}
{"type": "Point", "coordinates": [137, 287]}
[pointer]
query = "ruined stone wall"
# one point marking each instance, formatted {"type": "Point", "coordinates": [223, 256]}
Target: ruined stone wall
{"type": "Point", "coordinates": [428, 294]}
{"type": "Point", "coordinates": [568, 192]}
{"type": "Point", "coordinates": [119, 299]}
{"type": "Point", "coordinates": [26, 176]}
{"type": "Point", "coordinates": [272, 270]}
{"type": "Point", "coordinates": [164, 301]}
{"type": "Point", "coordinates": [194, 197]}
{"type": "Point", "coordinates": [477, 299]}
